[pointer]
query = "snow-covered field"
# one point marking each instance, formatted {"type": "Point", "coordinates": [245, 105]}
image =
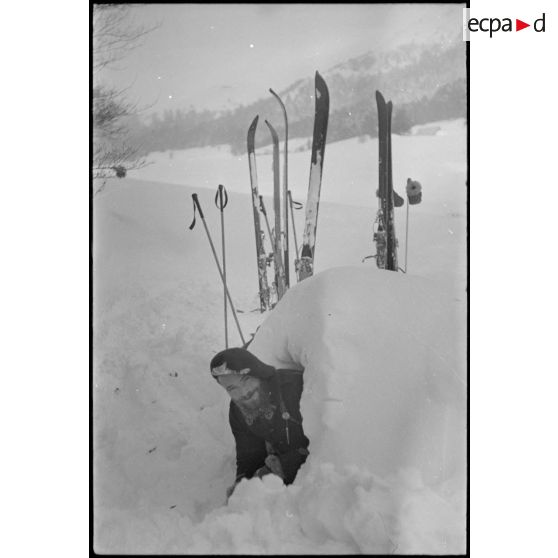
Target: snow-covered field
{"type": "Point", "coordinates": [384, 356]}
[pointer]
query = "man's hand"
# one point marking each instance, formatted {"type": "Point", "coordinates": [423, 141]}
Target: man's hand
{"type": "Point", "coordinates": [231, 488]}
{"type": "Point", "coordinates": [274, 465]}
{"type": "Point", "coordinates": [261, 472]}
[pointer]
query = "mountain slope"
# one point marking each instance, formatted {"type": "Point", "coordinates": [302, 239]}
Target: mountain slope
{"type": "Point", "coordinates": [425, 82]}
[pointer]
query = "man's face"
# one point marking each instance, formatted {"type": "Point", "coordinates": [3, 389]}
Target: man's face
{"type": "Point", "coordinates": [244, 390]}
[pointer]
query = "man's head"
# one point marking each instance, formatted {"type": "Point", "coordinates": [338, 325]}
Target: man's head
{"type": "Point", "coordinates": [241, 374]}
{"type": "Point", "coordinates": [244, 390]}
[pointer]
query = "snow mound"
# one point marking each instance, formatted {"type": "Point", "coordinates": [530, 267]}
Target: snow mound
{"type": "Point", "coordinates": [384, 406]}
{"type": "Point", "coordinates": [384, 356]}
{"type": "Point", "coordinates": [393, 336]}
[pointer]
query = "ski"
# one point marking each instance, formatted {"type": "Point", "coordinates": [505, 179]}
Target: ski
{"type": "Point", "coordinates": [391, 239]}
{"type": "Point", "coordinates": [285, 193]}
{"type": "Point", "coordinates": [379, 225]}
{"type": "Point", "coordinates": [279, 269]}
{"type": "Point", "coordinates": [269, 231]}
{"type": "Point", "coordinates": [260, 250]}
{"type": "Point", "coordinates": [305, 265]}
{"type": "Point", "coordinates": [292, 206]}
{"type": "Point", "coordinates": [271, 257]}
{"type": "Point", "coordinates": [384, 233]}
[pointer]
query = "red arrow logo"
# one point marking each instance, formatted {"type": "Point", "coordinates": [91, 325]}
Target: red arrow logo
{"type": "Point", "coordinates": [519, 25]}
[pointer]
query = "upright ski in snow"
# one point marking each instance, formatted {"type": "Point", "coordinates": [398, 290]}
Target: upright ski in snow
{"type": "Point", "coordinates": [285, 192]}
{"type": "Point", "coordinates": [392, 238]}
{"type": "Point", "coordinates": [260, 251]}
{"type": "Point", "coordinates": [384, 233]}
{"type": "Point", "coordinates": [279, 269]}
{"type": "Point", "coordinates": [305, 265]}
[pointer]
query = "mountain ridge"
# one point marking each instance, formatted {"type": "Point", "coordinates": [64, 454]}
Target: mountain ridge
{"type": "Point", "coordinates": [425, 81]}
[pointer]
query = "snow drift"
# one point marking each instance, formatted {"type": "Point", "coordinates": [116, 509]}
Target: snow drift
{"type": "Point", "coordinates": [384, 406]}
{"type": "Point", "coordinates": [383, 353]}
{"type": "Point", "coordinates": [384, 359]}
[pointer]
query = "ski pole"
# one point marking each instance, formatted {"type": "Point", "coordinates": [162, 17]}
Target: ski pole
{"type": "Point", "coordinates": [414, 197]}
{"type": "Point", "coordinates": [291, 203]}
{"type": "Point", "coordinates": [221, 203]}
{"type": "Point", "coordinates": [198, 206]}
{"type": "Point", "coordinates": [406, 235]}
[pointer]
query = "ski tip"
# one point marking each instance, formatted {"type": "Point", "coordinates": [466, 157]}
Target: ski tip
{"type": "Point", "coordinates": [380, 97]}
{"type": "Point", "coordinates": [271, 128]}
{"type": "Point", "coordinates": [254, 122]}
{"type": "Point", "coordinates": [250, 137]}
{"type": "Point", "coordinates": [320, 82]}
{"type": "Point", "coordinates": [322, 92]}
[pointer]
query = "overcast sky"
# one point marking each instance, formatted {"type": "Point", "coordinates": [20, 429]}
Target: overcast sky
{"type": "Point", "coordinates": [221, 55]}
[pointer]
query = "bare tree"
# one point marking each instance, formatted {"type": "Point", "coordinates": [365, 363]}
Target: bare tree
{"type": "Point", "coordinates": [114, 36]}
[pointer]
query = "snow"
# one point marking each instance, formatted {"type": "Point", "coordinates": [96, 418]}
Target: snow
{"type": "Point", "coordinates": [384, 356]}
{"type": "Point", "coordinates": [412, 375]}
{"type": "Point", "coordinates": [350, 167]}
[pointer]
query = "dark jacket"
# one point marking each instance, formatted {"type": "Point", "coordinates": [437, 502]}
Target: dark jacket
{"type": "Point", "coordinates": [285, 436]}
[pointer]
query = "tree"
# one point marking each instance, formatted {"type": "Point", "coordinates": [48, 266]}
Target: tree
{"type": "Point", "coordinates": [114, 36]}
{"type": "Point", "coordinates": [402, 122]}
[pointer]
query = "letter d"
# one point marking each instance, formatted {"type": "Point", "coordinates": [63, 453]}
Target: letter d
{"type": "Point", "coordinates": [535, 25]}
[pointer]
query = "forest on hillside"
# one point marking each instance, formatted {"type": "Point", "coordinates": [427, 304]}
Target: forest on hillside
{"type": "Point", "coordinates": [425, 85]}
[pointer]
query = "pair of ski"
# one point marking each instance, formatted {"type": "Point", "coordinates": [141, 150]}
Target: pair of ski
{"type": "Point", "coordinates": [384, 226]}
{"type": "Point", "coordinates": [388, 198]}
{"type": "Point", "coordinates": [279, 238]}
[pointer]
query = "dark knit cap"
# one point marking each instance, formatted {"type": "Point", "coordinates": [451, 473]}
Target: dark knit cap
{"type": "Point", "coordinates": [239, 361]}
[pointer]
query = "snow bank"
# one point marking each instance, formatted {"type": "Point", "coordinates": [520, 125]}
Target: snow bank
{"type": "Point", "coordinates": [398, 338]}
{"type": "Point", "coordinates": [385, 394]}
{"type": "Point", "coordinates": [384, 357]}
{"type": "Point", "coordinates": [383, 406]}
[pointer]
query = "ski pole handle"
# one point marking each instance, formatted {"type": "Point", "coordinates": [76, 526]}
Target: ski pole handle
{"type": "Point", "coordinates": [198, 207]}
{"type": "Point", "coordinates": [221, 198]}
{"type": "Point", "coordinates": [197, 204]}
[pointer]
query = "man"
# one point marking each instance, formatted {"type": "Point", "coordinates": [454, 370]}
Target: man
{"type": "Point", "coordinates": [264, 415]}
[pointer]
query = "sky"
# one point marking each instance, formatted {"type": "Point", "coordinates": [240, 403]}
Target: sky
{"type": "Point", "coordinates": [215, 56]}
